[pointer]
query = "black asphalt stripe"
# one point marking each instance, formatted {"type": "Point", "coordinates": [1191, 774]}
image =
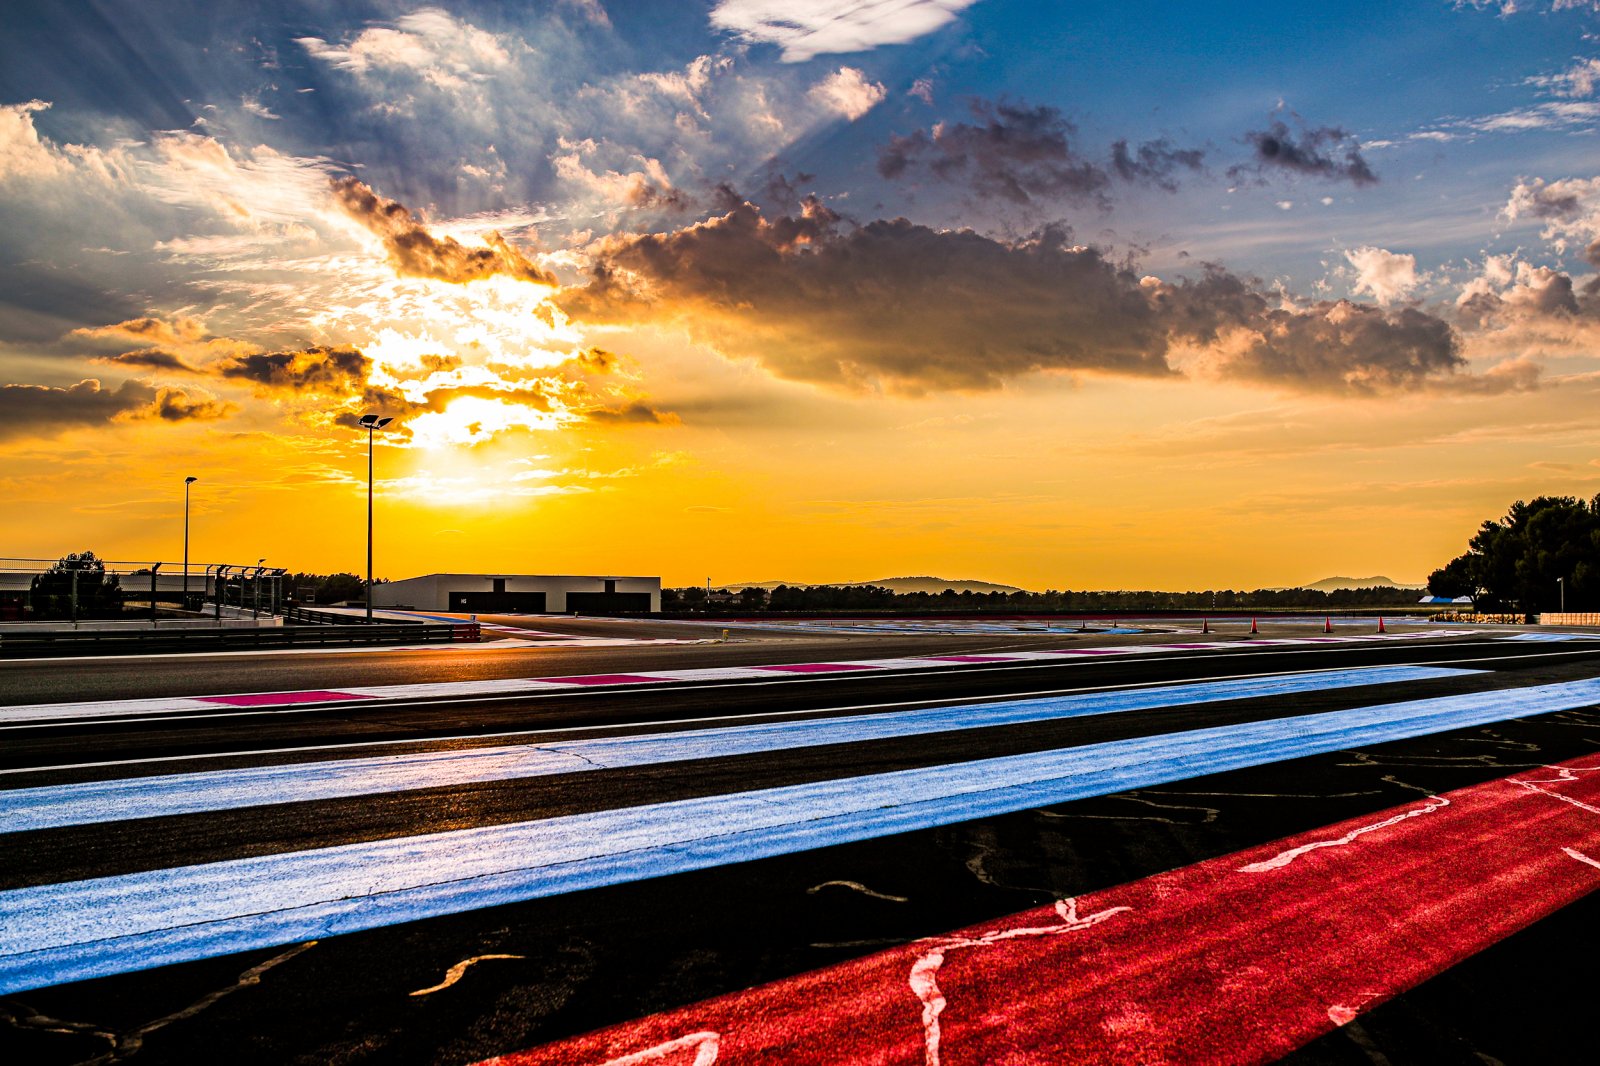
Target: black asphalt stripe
{"type": "Point", "coordinates": [606, 956]}
{"type": "Point", "coordinates": [101, 850]}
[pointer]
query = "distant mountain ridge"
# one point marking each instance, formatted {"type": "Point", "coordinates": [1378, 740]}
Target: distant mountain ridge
{"type": "Point", "coordinates": [1329, 584]}
{"type": "Point", "coordinates": [933, 585]}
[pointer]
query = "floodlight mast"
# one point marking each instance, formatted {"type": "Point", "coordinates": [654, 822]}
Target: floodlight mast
{"type": "Point", "coordinates": [371, 423]}
{"type": "Point", "coordinates": [186, 483]}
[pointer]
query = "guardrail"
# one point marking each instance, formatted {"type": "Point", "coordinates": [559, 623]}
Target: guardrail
{"type": "Point", "coordinates": [101, 642]}
{"type": "Point", "coordinates": [312, 616]}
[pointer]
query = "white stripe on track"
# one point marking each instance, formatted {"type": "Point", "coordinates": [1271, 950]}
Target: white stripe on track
{"type": "Point", "coordinates": [93, 802]}
{"type": "Point", "coordinates": [50, 934]}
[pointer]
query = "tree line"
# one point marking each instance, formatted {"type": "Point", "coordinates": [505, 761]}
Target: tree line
{"type": "Point", "coordinates": [1525, 562]}
{"type": "Point", "coordinates": [878, 598]}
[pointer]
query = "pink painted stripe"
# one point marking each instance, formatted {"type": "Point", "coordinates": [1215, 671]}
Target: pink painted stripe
{"type": "Point", "coordinates": [601, 679]}
{"type": "Point", "coordinates": [1239, 959]}
{"type": "Point", "coordinates": [264, 699]}
{"type": "Point", "coordinates": [1091, 651]}
{"type": "Point", "coordinates": [970, 658]}
{"type": "Point", "coordinates": [816, 668]}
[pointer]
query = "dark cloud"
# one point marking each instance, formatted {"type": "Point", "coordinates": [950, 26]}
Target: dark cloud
{"type": "Point", "coordinates": [1155, 162]}
{"type": "Point", "coordinates": [48, 409]}
{"type": "Point", "coordinates": [176, 405]}
{"type": "Point", "coordinates": [889, 304]}
{"type": "Point", "coordinates": [1336, 346]}
{"type": "Point", "coordinates": [318, 369]}
{"type": "Point", "coordinates": [1323, 152]}
{"type": "Point", "coordinates": [1012, 153]}
{"type": "Point", "coordinates": [902, 307]}
{"type": "Point", "coordinates": [1557, 199]}
{"type": "Point", "coordinates": [150, 359]}
{"type": "Point", "coordinates": [636, 413]}
{"type": "Point", "coordinates": [414, 251]}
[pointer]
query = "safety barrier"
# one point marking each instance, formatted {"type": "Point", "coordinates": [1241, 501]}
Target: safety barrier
{"type": "Point", "coordinates": [105, 642]}
{"type": "Point", "coordinates": [1570, 618]}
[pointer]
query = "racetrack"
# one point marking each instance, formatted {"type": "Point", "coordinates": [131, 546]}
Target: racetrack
{"type": "Point", "coordinates": [482, 870]}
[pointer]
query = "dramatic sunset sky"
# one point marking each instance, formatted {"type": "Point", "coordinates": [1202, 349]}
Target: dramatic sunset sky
{"type": "Point", "coordinates": [1079, 294]}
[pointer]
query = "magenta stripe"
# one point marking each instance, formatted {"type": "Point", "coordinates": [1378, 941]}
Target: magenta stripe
{"type": "Point", "coordinates": [257, 699]}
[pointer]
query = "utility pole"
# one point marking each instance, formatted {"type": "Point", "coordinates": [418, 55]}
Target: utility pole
{"type": "Point", "coordinates": [371, 423]}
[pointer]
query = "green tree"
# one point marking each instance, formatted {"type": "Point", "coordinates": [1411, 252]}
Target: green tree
{"type": "Point", "coordinates": [98, 593]}
{"type": "Point", "coordinates": [1520, 562]}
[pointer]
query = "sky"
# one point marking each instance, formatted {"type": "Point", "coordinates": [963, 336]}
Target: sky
{"type": "Point", "coordinates": [1058, 295]}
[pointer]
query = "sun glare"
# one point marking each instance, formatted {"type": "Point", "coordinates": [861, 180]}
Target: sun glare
{"type": "Point", "coordinates": [474, 420]}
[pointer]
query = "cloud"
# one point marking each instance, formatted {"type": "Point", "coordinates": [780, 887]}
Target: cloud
{"type": "Point", "coordinates": [337, 371]}
{"type": "Point", "coordinates": [890, 304]}
{"type": "Point", "coordinates": [1154, 162]}
{"type": "Point", "coordinates": [414, 251]}
{"type": "Point", "coordinates": [807, 28]}
{"type": "Point", "coordinates": [47, 409]}
{"type": "Point", "coordinates": [177, 405]}
{"type": "Point", "coordinates": [847, 92]}
{"type": "Point", "coordinates": [900, 307]}
{"type": "Point", "coordinates": [1327, 152]}
{"type": "Point", "coordinates": [636, 413]}
{"type": "Point", "coordinates": [647, 187]}
{"type": "Point", "coordinates": [1230, 329]}
{"type": "Point", "coordinates": [1576, 81]}
{"type": "Point", "coordinates": [429, 44]}
{"type": "Point", "coordinates": [1385, 276]}
{"type": "Point", "coordinates": [1014, 153]}
{"type": "Point", "coordinates": [1570, 209]}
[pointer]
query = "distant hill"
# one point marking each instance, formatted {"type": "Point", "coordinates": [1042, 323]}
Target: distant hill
{"type": "Point", "coordinates": [934, 585]}
{"type": "Point", "coordinates": [1328, 584]}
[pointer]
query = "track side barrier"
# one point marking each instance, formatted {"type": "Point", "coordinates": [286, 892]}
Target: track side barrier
{"type": "Point", "coordinates": [103, 642]}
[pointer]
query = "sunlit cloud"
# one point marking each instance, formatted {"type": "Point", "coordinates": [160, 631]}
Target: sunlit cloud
{"type": "Point", "coordinates": [807, 28]}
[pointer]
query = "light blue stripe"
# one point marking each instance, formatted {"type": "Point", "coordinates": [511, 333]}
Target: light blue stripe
{"type": "Point", "coordinates": [92, 802]}
{"type": "Point", "coordinates": [56, 933]}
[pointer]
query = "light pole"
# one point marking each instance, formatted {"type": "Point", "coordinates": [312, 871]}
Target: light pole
{"type": "Point", "coordinates": [372, 423]}
{"type": "Point", "coordinates": [1561, 581]}
{"type": "Point", "coordinates": [186, 483]}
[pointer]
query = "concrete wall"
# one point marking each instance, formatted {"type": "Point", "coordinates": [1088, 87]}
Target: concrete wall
{"type": "Point", "coordinates": [432, 592]}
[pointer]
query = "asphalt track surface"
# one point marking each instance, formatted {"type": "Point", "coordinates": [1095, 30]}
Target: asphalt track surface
{"type": "Point", "coordinates": [1420, 952]}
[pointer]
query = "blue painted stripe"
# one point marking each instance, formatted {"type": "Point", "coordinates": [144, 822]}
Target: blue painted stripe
{"type": "Point", "coordinates": [51, 934]}
{"type": "Point", "coordinates": [93, 802]}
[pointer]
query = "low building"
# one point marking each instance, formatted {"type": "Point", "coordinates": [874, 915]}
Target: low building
{"type": "Point", "coordinates": [521, 593]}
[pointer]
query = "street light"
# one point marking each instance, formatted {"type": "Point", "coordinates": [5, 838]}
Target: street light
{"type": "Point", "coordinates": [186, 483]}
{"type": "Point", "coordinates": [371, 423]}
{"type": "Point", "coordinates": [1563, 583]}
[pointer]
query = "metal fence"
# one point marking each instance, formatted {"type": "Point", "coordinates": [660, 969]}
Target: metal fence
{"type": "Point", "coordinates": [75, 589]}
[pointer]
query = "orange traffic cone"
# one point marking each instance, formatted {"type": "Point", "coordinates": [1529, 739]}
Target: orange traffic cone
{"type": "Point", "coordinates": [1205, 626]}
{"type": "Point", "coordinates": [1380, 625]}
{"type": "Point", "coordinates": [1253, 629]}
{"type": "Point", "coordinates": [1327, 625]}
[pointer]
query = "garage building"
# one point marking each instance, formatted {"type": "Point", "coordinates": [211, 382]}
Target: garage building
{"type": "Point", "coordinates": [522, 593]}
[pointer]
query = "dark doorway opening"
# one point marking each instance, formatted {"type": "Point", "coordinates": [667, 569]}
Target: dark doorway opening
{"type": "Point", "coordinates": [608, 602]}
{"type": "Point", "coordinates": [486, 602]}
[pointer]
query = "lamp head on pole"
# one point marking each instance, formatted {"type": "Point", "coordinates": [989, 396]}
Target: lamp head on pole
{"type": "Point", "coordinates": [190, 480]}
{"type": "Point", "coordinates": [375, 421]}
